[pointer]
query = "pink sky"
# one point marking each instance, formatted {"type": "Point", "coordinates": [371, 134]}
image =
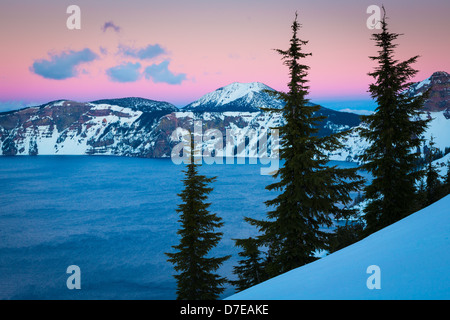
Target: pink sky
{"type": "Point", "coordinates": [213, 43]}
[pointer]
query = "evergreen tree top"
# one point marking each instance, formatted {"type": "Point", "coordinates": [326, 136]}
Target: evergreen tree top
{"type": "Point", "coordinates": [394, 132]}
{"type": "Point", "coordinates": [311, 191]}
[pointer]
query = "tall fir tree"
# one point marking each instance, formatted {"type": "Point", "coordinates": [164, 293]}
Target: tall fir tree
{"type": "Point", "coordinates": [310, 190]}
{"type": "Point", "coordinates": [196, 278]}
{"type": "Point", "coordinates": [394, 131]}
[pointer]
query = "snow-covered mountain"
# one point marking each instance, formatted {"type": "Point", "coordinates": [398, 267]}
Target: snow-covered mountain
{"type": "Point", "coordinates": [69, 127]}
{"type": "Point", "coordinates": [409, 260]}
{"type": "Point", "coordinates": [143, 128]}
{"type": "Point", "coordinates": [242, 97]}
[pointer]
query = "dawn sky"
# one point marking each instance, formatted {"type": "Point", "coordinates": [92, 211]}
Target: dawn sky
{"type": "Point", "coordinates": [178, 50]}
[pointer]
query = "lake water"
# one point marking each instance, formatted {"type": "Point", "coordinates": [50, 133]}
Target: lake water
{"type": "Point", "coordinates": [114, 217]}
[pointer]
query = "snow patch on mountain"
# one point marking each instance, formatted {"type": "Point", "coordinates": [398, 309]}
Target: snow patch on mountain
{"type": "Point", "coordinates": [136, 103]}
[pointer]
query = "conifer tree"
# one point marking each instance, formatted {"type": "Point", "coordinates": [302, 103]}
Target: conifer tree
{"type": "Point", "coordinates": [393, 130]}
{"type": "Point", "coordinates": [196, 278]}
{"type": "Point", "coordinates": [250, 270]}
{"type": "Point", "coordinates": [310, 190]}
{"type": "Point", "coordinates": [422, 194]}
{"type": "Point", "coordinates": [431, 174]}
{"type": "Point", "coordinates": [446, 185]}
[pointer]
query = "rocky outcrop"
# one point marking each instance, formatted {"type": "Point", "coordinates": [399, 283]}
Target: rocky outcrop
{"type": "Point", "coordinates": [439, 94]}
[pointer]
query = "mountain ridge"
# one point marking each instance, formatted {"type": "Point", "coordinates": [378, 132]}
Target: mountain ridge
{"type": "Point", "coordinates": [141, 127]}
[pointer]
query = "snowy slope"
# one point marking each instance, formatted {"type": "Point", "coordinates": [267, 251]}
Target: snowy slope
{"type": "Point", "coordinates": [441, 165]}
{"type": "Point", "coordinates": [439, 128]}
{"type": "Point", "coordinates": [413, 256]}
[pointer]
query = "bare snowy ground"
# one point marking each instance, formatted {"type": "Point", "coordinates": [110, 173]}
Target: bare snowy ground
{"type": "Point", "coordinates": [407, 260]}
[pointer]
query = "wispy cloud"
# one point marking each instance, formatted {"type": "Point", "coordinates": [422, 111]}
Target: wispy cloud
{"type": "Point", "coordinates": [160, 73]}
{"type": "Point", "coordinates": [62, 66]}
{"type": "Point", "coordinates": [110, 25]}
{"type": "Point", "coordinates": [149, 52]}
{"type": "Point", "coordinates": [127, 72]}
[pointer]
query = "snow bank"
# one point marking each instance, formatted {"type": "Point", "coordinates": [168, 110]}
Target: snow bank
{"type": "Point", "coordinates": [413, 256]}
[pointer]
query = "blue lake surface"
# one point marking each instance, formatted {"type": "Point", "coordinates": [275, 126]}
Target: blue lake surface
{"type": "Point", "coordinates": [114, 217]}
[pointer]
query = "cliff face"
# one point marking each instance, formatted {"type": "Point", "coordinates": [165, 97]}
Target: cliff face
{"type": "Point", "coordinates": [112, 130]}
{"type": "Point", "coordinates": [68, 127]}
{"type": "Point", "coordinates": [439, 96]}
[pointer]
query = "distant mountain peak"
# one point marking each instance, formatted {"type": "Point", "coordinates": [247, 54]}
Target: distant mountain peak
{"type": "Point", "coordinates": [238, 90]}
{"type": "Point", "coordinates": [236, 96]}
{"type": "Point", "coordinates": [440, 74]}
{"type": "Point", "coordinates": [245, 87]}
